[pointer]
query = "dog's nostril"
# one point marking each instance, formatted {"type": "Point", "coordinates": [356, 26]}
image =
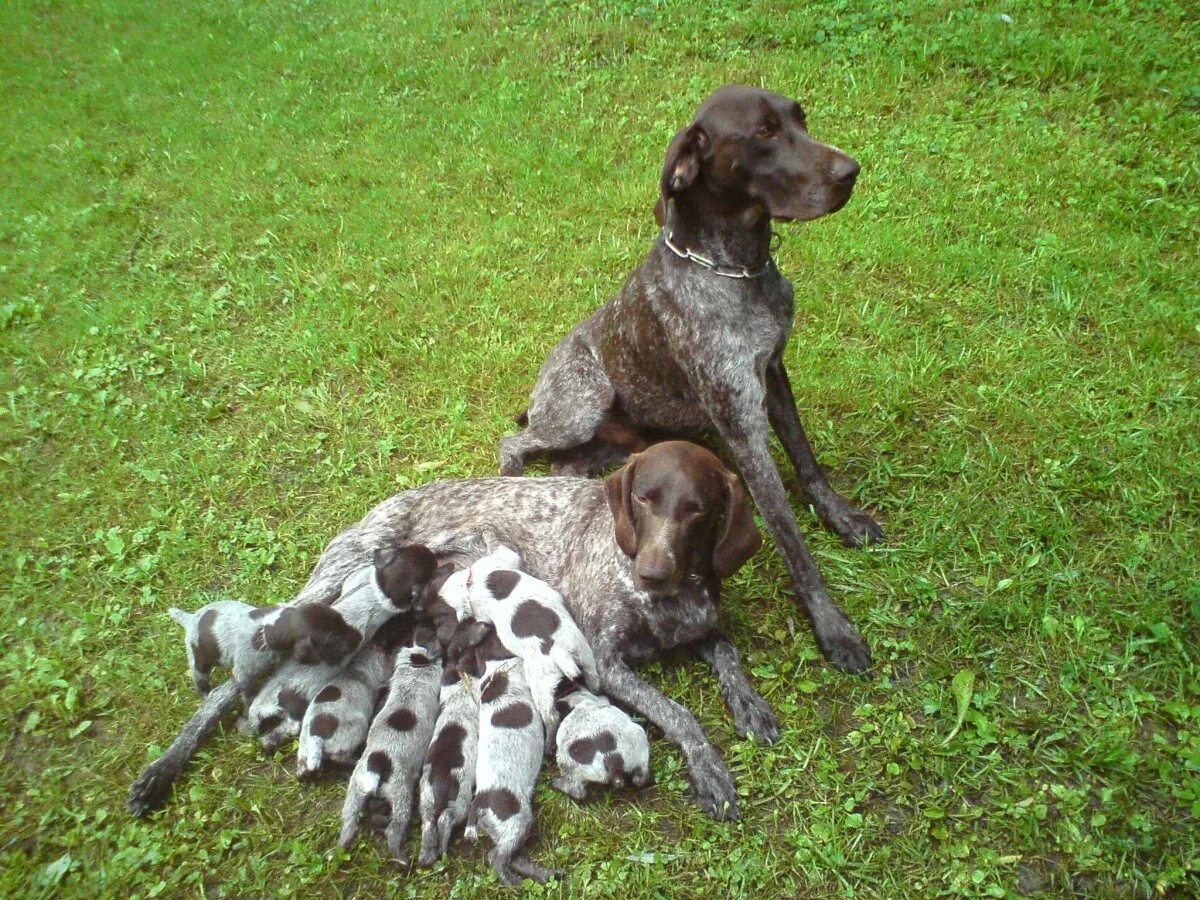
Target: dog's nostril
{"type": "Point", "coordinates": [846, 170]}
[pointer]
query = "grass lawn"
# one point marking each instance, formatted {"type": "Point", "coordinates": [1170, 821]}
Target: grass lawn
{"type": "Point", "coordinates": [265, 264]}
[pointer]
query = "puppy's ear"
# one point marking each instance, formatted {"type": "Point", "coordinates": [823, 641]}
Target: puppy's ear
{"type": "Point", "coordinates": [739, 538]}
{"type": "Point", "coordinates": [685, 157]}
{"type": "Point", "coordinates": [619, 486]}
{"type": "Point", "coordinates": [280, 635]}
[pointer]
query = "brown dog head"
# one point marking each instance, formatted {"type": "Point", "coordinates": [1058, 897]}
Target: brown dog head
{"type": "Point", "coordinates": [403, 573]}
{"type": "Point", "coordinates": [749, 149]}
{"type": "Point", "coordinates": [678, 511]}
{"type": "Point", "coordinates": [321, 635]}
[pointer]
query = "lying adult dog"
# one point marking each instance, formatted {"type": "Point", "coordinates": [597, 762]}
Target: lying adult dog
{"type": "Point", "coordinates": [638, 558]}
{"type": "Point", "coordinates": [696, 337]}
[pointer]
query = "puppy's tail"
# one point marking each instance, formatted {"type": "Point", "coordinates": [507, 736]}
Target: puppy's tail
{"type": "Point", "coordinates": [182, 619]}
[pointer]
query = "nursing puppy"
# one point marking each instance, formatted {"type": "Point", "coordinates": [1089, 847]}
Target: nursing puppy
{"type": "Point", "coordinates": [448, 779]}
{"type": "Point", "coordinates": [396, 747]}
{"type": "Point", "coordinates": [533, 622]}
{"type": "Point", "coordinates": [394, 583]}
{"type": "Point", "coordinates": [251, 641]}
{"type": "Point", "coordinates": [599, 744]}
{"type": "Point", "coordinates": [278, 709]}
{"type": "Point", "coordinates": [511, 738]}
{"type": "Point", "coordinates": [336, 722]}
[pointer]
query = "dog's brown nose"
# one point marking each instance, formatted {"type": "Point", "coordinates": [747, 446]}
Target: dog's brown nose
{"type": "Point", "coordinates": [845, 170]}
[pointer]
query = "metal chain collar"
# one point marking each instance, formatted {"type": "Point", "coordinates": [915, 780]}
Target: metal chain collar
{"type": "Point", "coordinates": [725, 271]}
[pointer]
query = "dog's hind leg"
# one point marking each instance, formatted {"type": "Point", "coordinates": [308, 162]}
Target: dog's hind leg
{"type": "Point", "coordinates": [570, 403]}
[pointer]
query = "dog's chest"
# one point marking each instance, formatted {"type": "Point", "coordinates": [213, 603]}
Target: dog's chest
{"type": "Point", "coordinates": [664, 624]}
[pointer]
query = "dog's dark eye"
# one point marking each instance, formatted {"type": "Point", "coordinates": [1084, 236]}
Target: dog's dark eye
{"type": "Point", "coordinates": [768, 131]}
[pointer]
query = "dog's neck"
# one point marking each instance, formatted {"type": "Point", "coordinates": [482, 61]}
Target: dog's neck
{"type": "Point", "coordinates": [731, 234]}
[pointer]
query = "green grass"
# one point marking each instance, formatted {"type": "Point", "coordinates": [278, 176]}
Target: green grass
{"type": "Point", "coordinates": [263, 265]}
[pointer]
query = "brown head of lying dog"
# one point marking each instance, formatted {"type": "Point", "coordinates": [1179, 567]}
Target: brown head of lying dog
{"type": "Point", "coordinates": [679, 512]}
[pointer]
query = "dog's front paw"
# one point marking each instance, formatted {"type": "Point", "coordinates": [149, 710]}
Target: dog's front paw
{"type": "Point", "coordinates": [752, 717]}
{"type": "Point", "coordinates": [855, 527]}
{"type": "Point", "coordinates": [842, 644]}
{"type": "Point", "coordinates": [153, 787]}
{"type": "Point", "coordinates": [713, 784]}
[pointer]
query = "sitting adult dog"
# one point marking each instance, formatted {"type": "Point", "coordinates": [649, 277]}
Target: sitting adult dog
{"type": "Point", "coordinates": [696, 337]}
{"type": "Point", "coordinates": [638, 558]}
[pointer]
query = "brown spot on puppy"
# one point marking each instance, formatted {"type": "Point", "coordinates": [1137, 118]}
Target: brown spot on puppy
{"type": "Point", "coordinates": [495, 686]}
{"type": "Point", "coordinates": [501, 582]}
{"type": "Point", "coordinates": [534, 620]}
{"type": "Point", "coordinates": [402, 719]}
{"type": "Point", "coordinates": [324, 725]}
{"type": "Point", "coordinates": [261, 612]}
{"type": "Point", "coordinates": [582, 750]}
{"type": "Point", "coordinates": [501, 801]}
{"type": "Point", "coordinates": [605, 742]}
{"type": "Point", "coordinates": [379, 763]}
{"type": "Point", "coordinates": [293, 702]}
{"type": "Point", "coordinates": [207, 651]}
{"type": "Point", "coordinates": [515, 715]}
{"type": "Point", "coordinates": [328, 694]}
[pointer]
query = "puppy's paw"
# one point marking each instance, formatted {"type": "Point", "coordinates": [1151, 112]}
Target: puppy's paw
{"type": "Point", "coordinates": [713, 784]}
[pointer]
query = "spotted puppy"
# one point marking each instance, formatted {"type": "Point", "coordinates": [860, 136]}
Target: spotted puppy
{"type": "Point", "coordinates": [511, 738]}
{"type": "Point", "coordinates": [336, 722]}
{"type": "Point", "coordinates": [396, 748]}
{"type": "Point", "coordinates": [532, 621]}
{"type": "Point", "coordinates": [448, 779]}
{"type": "Point", "coordinates": [395, 582]}
{"type": "Point", "coordinates": [251, 640]}
{"type": "Point", "coordinates": [599, 744]}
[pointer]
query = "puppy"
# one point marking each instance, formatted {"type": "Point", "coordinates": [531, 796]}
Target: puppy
{"type": "Point", "coordinates": [394, 583]}
{"type": "Point", "coordinates": [396, 747]}
{"type": "Point", "coordinates": [336, 722]}
{"type": "Point", "coordinates": [279, 707]}
{"type": "Point", "coordinates": [251, 641]}
{"type": "Point", "coordinates": [532, 621]}
{"type": "Point", "coordinates": [599, 744]}
{"type": "Point", "coordinates": [511, 738]}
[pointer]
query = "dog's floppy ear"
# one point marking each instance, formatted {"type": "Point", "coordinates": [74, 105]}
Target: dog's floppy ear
{"type": "Point", "coordinates": [619, 487]}
{"type": "Point", "coordinates": [682, 167]}
{"type": "Point", "coordinates": [739, 539]}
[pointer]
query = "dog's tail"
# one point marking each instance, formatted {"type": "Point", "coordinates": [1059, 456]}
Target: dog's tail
{"type": "Point", "coordinates": [522, 419]}
{"type": "Point", "coordinates": [183, 619]}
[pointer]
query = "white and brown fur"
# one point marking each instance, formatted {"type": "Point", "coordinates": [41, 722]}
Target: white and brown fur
{"type": "Point", "coordinates": [598, 743]}
{"type": "Point", "coordinates": [336, 722]}
{"type": "Point", "coordinates": [396, 747]}
{"type": "Point", "coordinates": [394, 583]}
{"type": "Point", "coordinates": [533, 622]}
{"type": "Point", "coordinates": [251, 641]}
{"type": "Point", "coordinates": [448, 779]}
{"type": "Point", "coordinates": [511, 738]}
